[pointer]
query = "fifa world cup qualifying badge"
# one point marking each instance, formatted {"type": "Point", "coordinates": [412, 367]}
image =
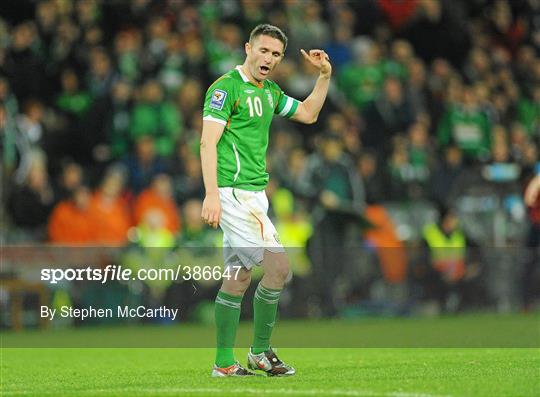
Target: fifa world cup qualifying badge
{"type": "Point", "coordinates": [218, 99]}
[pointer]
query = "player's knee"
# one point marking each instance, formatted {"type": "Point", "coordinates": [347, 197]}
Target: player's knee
{"type": "Point", "coordinates": [280, 270]}
{"type": "Point", "coordinates": [244, 280]}
{"type": "Point", "coordinates": [237, 285]}
{"type": "Point", "coordinates": [235, 288]}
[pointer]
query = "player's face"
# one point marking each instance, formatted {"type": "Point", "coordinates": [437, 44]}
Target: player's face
{"type": "Point", "coordinates": [263, 55]}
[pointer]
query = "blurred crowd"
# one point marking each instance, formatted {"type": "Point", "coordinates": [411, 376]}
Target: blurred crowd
{"type": "Point", "coordinates": [100, 110]}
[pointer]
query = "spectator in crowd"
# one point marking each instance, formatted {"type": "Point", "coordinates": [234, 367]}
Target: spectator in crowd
{"type": "Point", "coordinates": [399, 169]}
{"type": "Point", "coordinates": [450, 262]}
{"type": "Point", "coordinates": [118, 142]}
{"type": "Point", "coordinates": [144, 164]}
{"type": "Point", "coordinates": [529, 112]}
{"type": "Point", "coordinates": [466, 126]}
{"type": "Point", "coordinates": [446, 174]}
{"type": "Point", "coordinates": [388, 114]}
{"type": "Point", "coordinates": [283, 141]}
{"type": "Point", "coordinates": [401, 55]}
{"type": "Point", "coordinates": [72, 101]}
{"type": "Point", "coordinates": [109, 208]}
{"type": "Point", "coordinates": [46, 22]}
{"type": "Point", "coordinates": [158, 196]}
{"type": "Point", "coordinates": [31, 202]}
{"type": "Point", "coordinates": [390, 250]}
{"type": "Point", "coordinates": [518, 141]}
{"type": "Point", "coordinates": [339, 49]}
{"type": "Point", "coordinates": [398, 13]}
{"type": "Point", "coordinates": [30, 136]}
{"type": "Point", "coordinates": [224, 51]}
{"type": "Point", "coordinates": [420, 154]}
{"type": "Point", "coordinates": [294, 228]}
{"type": "Point", "coordinates": [334, 181]}
{"type": "Point", "coordinates": [194, 231]}
{"type": "Point", "coordinates": [157, 33]}
{"type": "Point", "coordinates": [410, 164]}
{"type": "Point", "coordinates": [189, 97]}
{"type": "Point", "coordinates": [341, 124]}
{"type": "Point", "coordinates": [338, 195]}
{"type": "Point", "coordinates": [195, 62]}
{"type": "Point", "coordinates": [71, 177]}
{"type": "Point", "coordinates": [530, 157]}
{"type": "Point", "coordinates": [443, 86]}
{"type": "Point", "coordinates": [8, 128]}
{"type": "Point", "coordinates": [154, 115]}
{"type": "Point", "coordinates": [152, 230]}
{"type": "Point", "coordinates": [73, 104]}
{"type": "Point", "coordinates": [500, 152]}
{"type": "Point", "coordinates": [23, 66]}
{"type": "Point", "coordinates": [372, 177]}
{"type": "Point", "coordinates": [70, 221]}
{"type": "Point", "coordinates": [101, 74]}
{"type": "Point", "coordinates": [438, 29]}
{"type": "Point", "coordinates": [128, 49]}
{"type": "Point", "coordinates": [189, 185]}
{"type": "Point", "coordinates": [170, 74]}
{"type": "Point", "coordinates": [307, 27]}
{"type": "Point", "coordinates": [295, 179]}
{"type": "Point", "coordinates": [417, 88]}
{"type": "Point", "coordinates": [361, 79]}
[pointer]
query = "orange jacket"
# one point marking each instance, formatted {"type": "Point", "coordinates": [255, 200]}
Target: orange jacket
{"type": "Point", "coordinates": [390, 251]}
{"type": "Point", "coordinates": [71, 225]}
{"type": "Point", "coordinates": [148, 199]}
{"type": "Point", "coordinates": [112, 219]}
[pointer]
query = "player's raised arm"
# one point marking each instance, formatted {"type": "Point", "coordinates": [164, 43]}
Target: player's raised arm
{"type": "Point", "coordinates": [211, 133]}
{"type": "Point", "coordinates": [308, 110]}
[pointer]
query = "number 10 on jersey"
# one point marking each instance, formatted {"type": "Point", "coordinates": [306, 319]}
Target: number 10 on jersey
{"type": "Point", "coordinates": [255, 106]}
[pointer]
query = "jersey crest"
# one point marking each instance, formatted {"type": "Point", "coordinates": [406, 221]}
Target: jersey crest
{"type": "Point", "coordinates": [270, 99]}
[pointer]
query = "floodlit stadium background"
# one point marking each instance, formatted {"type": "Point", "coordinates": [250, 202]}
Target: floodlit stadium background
{"type": "Point", "coordinates": [434, 109]}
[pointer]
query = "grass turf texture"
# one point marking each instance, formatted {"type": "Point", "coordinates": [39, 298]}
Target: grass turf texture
{"type": "Point", "coordinates": [321, 372]}
{"type": "Point", "coordinates": [346, 371]}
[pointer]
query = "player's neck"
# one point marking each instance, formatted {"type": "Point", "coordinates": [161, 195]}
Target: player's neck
{"type": "Point", "coordinates": [249, 76]}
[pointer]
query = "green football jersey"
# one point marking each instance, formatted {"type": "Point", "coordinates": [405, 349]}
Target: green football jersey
{"type": "Point", "coordinates": [246, 111]}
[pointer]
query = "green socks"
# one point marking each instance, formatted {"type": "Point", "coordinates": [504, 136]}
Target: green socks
{"type": "Point", "coordinates": [227, 313]}
{"type": "Point", "coordinates": [265, 305]}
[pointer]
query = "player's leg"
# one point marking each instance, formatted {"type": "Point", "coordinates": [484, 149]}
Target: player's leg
{"type": "Point", "coordinates": [235, 219]}
{"type": "Point", "coordinates": [227, 315]}
{"type": "Point", "coordinates": [265, 304]}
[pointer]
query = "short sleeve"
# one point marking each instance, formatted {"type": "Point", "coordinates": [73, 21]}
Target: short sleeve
{"type": "Point", "coordinates": [218, 102]}
{"type": "Point", "coordinates": [286, 105]}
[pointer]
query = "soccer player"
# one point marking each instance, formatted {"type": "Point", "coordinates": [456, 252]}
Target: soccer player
{"type": "Point", "coordinates": [238, 110]}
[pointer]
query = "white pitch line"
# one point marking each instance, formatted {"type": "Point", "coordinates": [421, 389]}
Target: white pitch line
{"type": "Point", "coordinates": [206, 390]}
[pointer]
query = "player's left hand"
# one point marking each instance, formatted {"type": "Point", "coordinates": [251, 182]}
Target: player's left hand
{"type": "Point", "coordinates": [320, 60]}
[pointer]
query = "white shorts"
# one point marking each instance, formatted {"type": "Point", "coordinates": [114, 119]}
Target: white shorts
{"type": "Point", "coordinates": [247, 229]}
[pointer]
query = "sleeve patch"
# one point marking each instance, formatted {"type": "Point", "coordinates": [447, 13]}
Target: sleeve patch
{"type": "Point", "coordinates": [218, 99]}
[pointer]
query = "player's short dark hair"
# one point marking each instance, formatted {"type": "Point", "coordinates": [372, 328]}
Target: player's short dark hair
{"type": "Point", "coordinates": [269, 30]}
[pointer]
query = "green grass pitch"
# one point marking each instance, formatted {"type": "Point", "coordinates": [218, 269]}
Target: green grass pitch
{"type": "Point", "coordinates": [331, 371]}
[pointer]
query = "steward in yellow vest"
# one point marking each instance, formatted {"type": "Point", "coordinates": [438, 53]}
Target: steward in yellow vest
{"type": "Point", "coordinates": [447, 246]}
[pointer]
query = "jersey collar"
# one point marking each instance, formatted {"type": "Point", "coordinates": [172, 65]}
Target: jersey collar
{"type": "Point", "coordinates": [245, 78]}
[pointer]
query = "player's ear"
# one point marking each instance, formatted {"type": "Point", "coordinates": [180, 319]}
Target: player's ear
{"type": "Point", "coordinates": [247, 47]}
